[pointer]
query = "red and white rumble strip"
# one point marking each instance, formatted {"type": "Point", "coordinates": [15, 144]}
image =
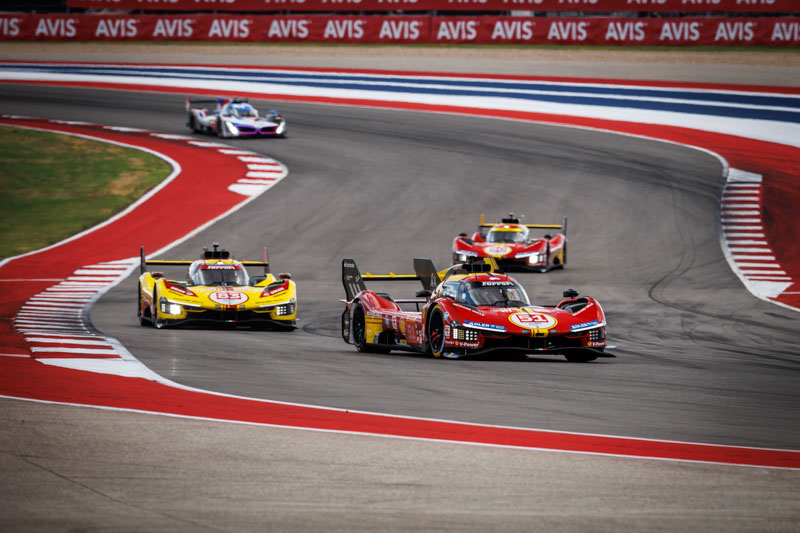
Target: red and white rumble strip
{"type": "Point", "coordinates": [743, 237]}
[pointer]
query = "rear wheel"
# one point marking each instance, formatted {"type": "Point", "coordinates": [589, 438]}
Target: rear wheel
{"type": "Point", "coordinates": [360, 332]}
{"type": "Point", "coordinates": [359, 327]}
{"type": "Point", "coordinates": [436, 332]}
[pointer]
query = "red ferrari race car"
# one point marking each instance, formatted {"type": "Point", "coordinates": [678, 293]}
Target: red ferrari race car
{"type": "Point", "coordinates": [468, 309]}
{"type": "Point", "coordinates": [511, 245]}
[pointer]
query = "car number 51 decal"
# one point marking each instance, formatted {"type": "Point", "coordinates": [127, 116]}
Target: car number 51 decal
{"type": "Point", "coordinates": [533, 320]}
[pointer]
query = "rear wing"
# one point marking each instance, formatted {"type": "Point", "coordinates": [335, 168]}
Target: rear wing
{"type": "Point", "coordinates": [207, 254]}
{"type": "Point", "coordinates": [353, 280]}
{"type": "Point", "coordinates": [511, 219]}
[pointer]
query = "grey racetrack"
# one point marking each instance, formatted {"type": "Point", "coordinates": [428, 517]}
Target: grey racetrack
{"type": "Point", "coordinates": [698, 358]}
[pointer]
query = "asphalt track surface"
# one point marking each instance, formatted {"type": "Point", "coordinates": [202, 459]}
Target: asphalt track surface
{"type": "Point", "coordinates": [699, 358]}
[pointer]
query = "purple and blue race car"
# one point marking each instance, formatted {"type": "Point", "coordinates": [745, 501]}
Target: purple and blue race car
{"type": "Point", "coordinates": [234, 117]}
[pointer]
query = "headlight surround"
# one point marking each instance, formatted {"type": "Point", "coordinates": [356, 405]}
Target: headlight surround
{"type": "Point", "coordinates": [170, 308]}
{"type": "Point", "coordinates": [286, 309]}
{"type": "Point", "coordinates": [463, 255]}
{"type": "Point", "coordinates": [597, 334]}
{"type": "Point", "coordinates": [233, 130]}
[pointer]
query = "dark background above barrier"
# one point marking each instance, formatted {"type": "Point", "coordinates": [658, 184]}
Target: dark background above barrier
{"type": "Point", "coordinates": [607, 6]}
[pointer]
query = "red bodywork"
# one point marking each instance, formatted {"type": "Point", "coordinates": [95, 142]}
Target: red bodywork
{"type": "Point", "coordinates": [449, 323]}
{"type": "Point", "coordinates": [509, 243]}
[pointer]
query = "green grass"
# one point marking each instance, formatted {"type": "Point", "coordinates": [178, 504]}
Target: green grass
{"type": "Point", "coordinates": [54, 186]}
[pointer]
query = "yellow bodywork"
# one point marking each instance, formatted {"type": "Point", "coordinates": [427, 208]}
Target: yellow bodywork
{"type": "Point", "coordinates": [269, 300]}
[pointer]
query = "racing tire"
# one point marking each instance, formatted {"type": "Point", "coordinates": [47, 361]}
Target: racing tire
{"type": "Point", "coordinates": [580, 356]}
{"type": "Point", "coordinates": [359, 325]}
{"type": "Point", "coordinates": [158, 323]}
{"type": "Point", "coordinates": [436, 332]}
{"type": "Point", "coordinates": [220, 131]}
{"type": "Point", "coordinates": [193, 124]}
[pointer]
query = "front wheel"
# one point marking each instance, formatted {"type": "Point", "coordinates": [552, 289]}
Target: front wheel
{"type": "Point", "coordinates": [580, 356]}
{"type": "Point", "coordinates": [140, 310]}
{"type": "Point", "coordinates": [158, 322]}
{"type": "Point", "coordinates": [220, 130]}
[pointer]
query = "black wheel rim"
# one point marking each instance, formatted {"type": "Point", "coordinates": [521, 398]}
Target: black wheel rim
{"type": "Point", "coordinates": [436, 332]}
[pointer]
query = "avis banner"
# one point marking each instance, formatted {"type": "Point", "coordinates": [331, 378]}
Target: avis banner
{"type": "Point", "coordinates": [608, 6]}
{"type": "Point", "coordinates": [769, 31]}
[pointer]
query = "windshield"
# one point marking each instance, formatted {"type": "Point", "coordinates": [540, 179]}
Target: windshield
{"type": "Point", "coordinates": [243, 111]}
{"type": "Point", "coordinates": [508, 235]}
{"type": "Point", "coordinates": [227, 275]}
{"type": "Point", "coordinates": [505, 293]}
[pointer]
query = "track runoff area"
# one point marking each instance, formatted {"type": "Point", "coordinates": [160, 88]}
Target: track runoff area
{"type": "Point", "coordinates": [49, 351]}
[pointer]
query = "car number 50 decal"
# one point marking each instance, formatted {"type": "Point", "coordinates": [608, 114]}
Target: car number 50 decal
{"type": "Point", "coordinates": [533, 320]}
{"type": "Point", "coordinates": [228, 297]}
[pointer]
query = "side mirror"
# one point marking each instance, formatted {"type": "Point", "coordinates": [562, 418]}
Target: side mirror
{"type": "Point", "coordinates": [157, 275]}
{"type": "Point", "coordinates": [422, 293]}
{"type": "Point", "coordinates": [570, 293]}
{"type": "Point", "coordinates": [462, 234]}
{"type": "Point", "coordinates": [285, 275]}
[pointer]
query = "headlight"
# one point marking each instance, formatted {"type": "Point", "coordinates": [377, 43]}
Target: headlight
{"type": "Point", "coordinates": [597, 334]}
{"type": "Point", "coordinates": [169, 308]}
{"type": "Point", "coordinates": [464, 334]}
{"type": "Point", "coordinates": [281, 127]}
{"type": "Point", "coordinates": [533, 257]}
{"type": "Point", "coordinates": [286, 309]}
{"type": "Point", "coordinates": [233, 130]}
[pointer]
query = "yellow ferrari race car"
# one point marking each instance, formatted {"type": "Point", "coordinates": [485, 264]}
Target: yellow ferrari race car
{"type": "Point", "coordinates": [217, 289]}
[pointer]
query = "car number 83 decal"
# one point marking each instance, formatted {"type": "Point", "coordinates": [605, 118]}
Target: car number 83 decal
{"type": "Point", "coordinates": [228, 297]}
{"type": "Point", "coordinates": [533, 320]}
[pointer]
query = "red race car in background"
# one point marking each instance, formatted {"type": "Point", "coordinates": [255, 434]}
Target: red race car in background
{"type": "Point", "coordinates": [468, 309]}
{"type": "Point", "coordinates": [509, 243]}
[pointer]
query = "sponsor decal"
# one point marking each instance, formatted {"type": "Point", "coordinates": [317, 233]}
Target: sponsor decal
{"type": "Point", "coordinates": [584, 325]}
{"type": "Point", "coordinates": [498, 250]}
{"type": "Point", "coordinates": [228, 297]}
{"type": "Point", "coordinates": [497, 283]}
{"type": "Point", "coordinates": [462, 344]}
{"type": "Point", "coordinates": [275, 291]}
{"type": "Point", "coordinates": [484, 325]}
{"type": "Point", "coordinates": [533, 320]}
{"type": "Point", "coordinates": [177, 288]}
{"type": "Point", "coordinates": [218, 267]}
{"type": "Point", "coordinates": [446, 330]}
